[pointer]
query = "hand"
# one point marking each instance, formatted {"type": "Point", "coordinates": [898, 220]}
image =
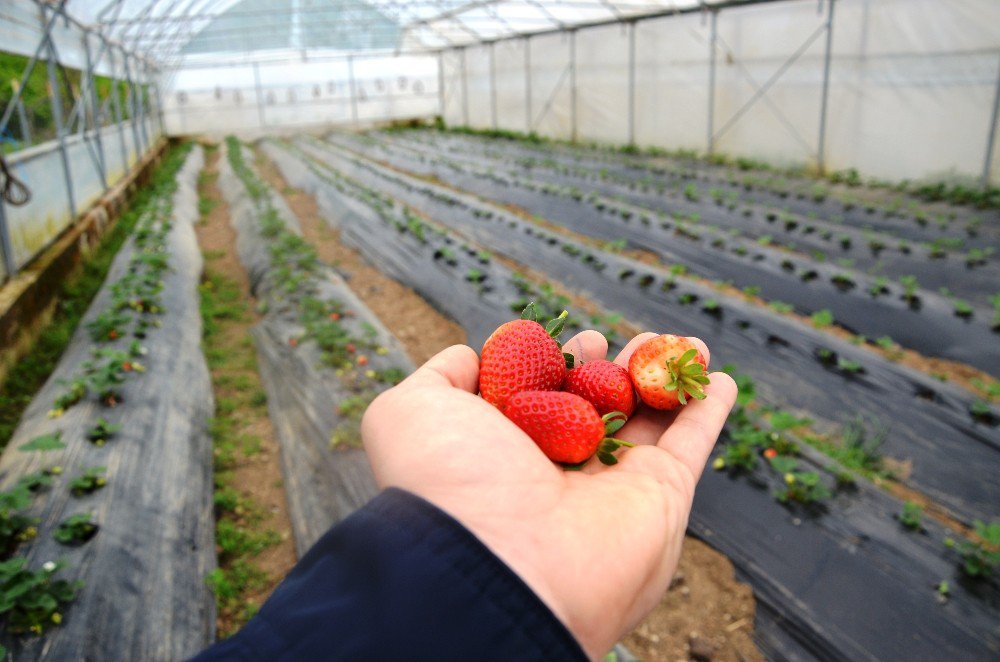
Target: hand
{"type": "Point", "coordinates": [598, 546]}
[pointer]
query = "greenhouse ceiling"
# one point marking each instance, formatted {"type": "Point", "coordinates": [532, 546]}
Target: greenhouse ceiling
{"type": "Point", "coordinates": [174, 31]}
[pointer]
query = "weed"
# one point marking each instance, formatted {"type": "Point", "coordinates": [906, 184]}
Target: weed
{"type": "Point", "coordinates": [912, 515]}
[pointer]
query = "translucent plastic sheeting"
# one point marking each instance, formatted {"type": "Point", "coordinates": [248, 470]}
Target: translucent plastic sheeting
{"type": "Point", "coordinates": [911, 88]}
{"type": "Point", "coordinates": [296, 94]}
{"type": "Point", "coordinates": [35, 225]}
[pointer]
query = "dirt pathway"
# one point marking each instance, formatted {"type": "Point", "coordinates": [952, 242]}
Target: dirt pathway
{"type": "Point", "coordinates": [253, 531]}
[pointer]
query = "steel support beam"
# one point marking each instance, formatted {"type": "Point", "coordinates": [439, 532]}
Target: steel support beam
{"type": "Point", "coordinates": [57, 113]}
{"type": "Point", "coordinates": [90, 93]}
{"type": "Point", "coordinates": [465, 88]}
{"type": "Point", "coordinates": [116, 105]}
{"type": "Point", "coordinates": [441, 98]}
{"type": "Point", "coordinates": [572, 87]}
{"type": "Point", "coordinates": [493, 85]}
{"type": "Point", "coordinates": [139, 149]}
{"type": "Point", "coordinates": [991, 137]}
{"type": "Point", "coordinates": [352, 86]}
{"type": "Point", "coordinates": [10, 265]}
{"type": "Point", "coordinates": [631, 83]}
{"type": "Point", "coordinates": [711, 82]}
{"type": "Point", "coordinates": [259, 94]}
{"type": "Point", "coordinates": [824, 99]}
{"type": "Point", "coordinates": [527, 85]}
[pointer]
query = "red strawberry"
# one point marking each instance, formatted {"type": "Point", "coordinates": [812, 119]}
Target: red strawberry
{"type": "Point", "coordinates": [520, 356]}
{"type": "Point", "coordinates": [604, 384]}
{"type": "Point", "coordinates": [566, 427]}
{"type": "Point", "coordinates": [667, 370]}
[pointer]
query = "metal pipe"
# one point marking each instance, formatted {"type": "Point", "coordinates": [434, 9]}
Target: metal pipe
{"type": "Point", "coordinates": [259, 94]}
{"type": "Point", "coordinates": [5, 246]}
{"type": "Point", "coordinates": [821, 152]}
{"type": "Point", "coordinates": [102, 165]}
{"type": "Point", "coordinates": [465, 89]}
{"type": "Point", "coordinates": [572, 86]}
{"type": "Point", "coordinates": [57, 114]}
{"type": "Point", "coordinates": [441, 84]}
{"type": "Point", "coordinates": [992, 137]}
{"type": "Point", "coordinates": [711, 84]}
{"type": "Point", "coordinates": [527, 84]}
{"type": "Point", "coordinates": [353, 90]}
{"type": "Point", "coordinates": [493, 85]}
{"type": "Point", "coordinates": [631, 84]}
{"type": "Point", "coordinates": [139, 149]}
{"type": "Point", "coordinates": [116, 96]}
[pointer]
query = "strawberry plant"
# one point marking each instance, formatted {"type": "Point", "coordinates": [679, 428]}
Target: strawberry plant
{"type": "Point", "coordinates": [75, 530]}
{"type": "Point", "coordinates": [109, 325]}
{"type": "Point", "coordinates": [802, 487]}
{"type": "Point", "coordinates": [36, 482]}
{"type": "Point", "coordinates": [822, 318]}
{"type": "Point", "coordinates": [962, 309]}
{"type": "Point", "coordinates": [15, 526]}
{"type": "Point", "coordinates": [912, 515]}
{"type": "Point", "coordinates": [101, 432]}
{"type": "Point", "coordinates": [90, 481]}
{"type": "Point", "coordinates": [45, 442]}
{"type": "Point", "coordinates": [981, 556]}
{"type": "Point", "coordinates": [30, 600]}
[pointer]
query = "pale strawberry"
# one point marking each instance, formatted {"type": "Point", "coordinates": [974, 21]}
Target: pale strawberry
{"type": "Point", "coordinates": [667, 371]}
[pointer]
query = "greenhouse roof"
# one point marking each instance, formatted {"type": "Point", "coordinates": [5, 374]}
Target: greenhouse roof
{"type": "Point", "coordinates": [170, 31]}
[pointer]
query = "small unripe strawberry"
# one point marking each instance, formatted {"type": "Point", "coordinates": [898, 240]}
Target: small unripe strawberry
{"type": "Point", "coordinates": [667, 370]}
{"type": "Point", "coordinates": [565, 427]}
{"type": "Point", "coordinates": [604, 384]}
{"type": "Point", "coordinates": [519, 356]}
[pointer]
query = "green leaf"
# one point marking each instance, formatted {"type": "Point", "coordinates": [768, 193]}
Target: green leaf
{"type": "Point", "coordinates": [556, 326]}
{"type": "Point", "coordinates": [614, 425]}
{"type": "Point", "coordinates": [607, 458]}
{"type": "Point", "coordinates": [46, 442]}
{"type": "Point", "coordinates": [531, 312]}
{"type": "Point", "coordinates": [569, 360]}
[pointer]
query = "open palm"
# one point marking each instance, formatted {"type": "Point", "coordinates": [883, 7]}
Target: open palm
{"type": "Point", "coordinates": [598, 546]}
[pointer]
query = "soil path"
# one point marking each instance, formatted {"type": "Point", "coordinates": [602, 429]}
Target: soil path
{"type": "Point", "coordinates": [252, 465]}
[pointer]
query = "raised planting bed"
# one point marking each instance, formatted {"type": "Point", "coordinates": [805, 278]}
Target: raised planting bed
{"type": "Point", "coordinates": [837, 578]}
{"type": "Point", "coordinates": [107, 482]}
{"type": "Point", "coordinates": [934, 426]}
{"type": "Point", "coordinates": [851, 202]}
{"type": "Point", "coordinates": [875, 307]}
{"type": "Point", "coordinates": [968, 268]}
{"type": "Point", "coordinates": [323, 355]}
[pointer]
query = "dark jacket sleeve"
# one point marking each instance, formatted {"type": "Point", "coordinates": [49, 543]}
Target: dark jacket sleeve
{"type": "Point", "coordinates": [400, 580]}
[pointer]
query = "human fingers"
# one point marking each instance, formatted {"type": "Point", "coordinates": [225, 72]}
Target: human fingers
{"type": "Point", "coordinates": [696, 427]}
{"type": "Point", "coordinates": [456, 366]}
{"type": "Point", "coordinates": [586, 346]}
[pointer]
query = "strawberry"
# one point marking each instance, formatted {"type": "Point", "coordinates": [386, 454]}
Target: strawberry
{"type": "Point", "coordinates": [565, 427]}
{"type": "Point", "coordinates": [604, 384]}
{"type": "Point", "coordinates": [521, 356]}
{"type": "Point", "coordinates": [667, 370]}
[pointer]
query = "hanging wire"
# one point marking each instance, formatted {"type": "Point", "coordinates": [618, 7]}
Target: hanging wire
{"type": "Point", "coordinates": [12, 190]}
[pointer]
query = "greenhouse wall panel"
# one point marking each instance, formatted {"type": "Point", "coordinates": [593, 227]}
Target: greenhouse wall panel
{"type": "Point", "coordinates": [672, 82]}
{"type": "Point", "coordinates": [602, 96]}
{"type": "Point", "coordinates": [511, 89]}
{"type": "Point", "coordinates": [550, 86]}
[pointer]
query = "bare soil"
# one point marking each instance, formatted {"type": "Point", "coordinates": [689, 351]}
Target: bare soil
{"type": "Point", "coordinates": [256, 474]}
{"type": "Point", "coordinates": [705, 599]}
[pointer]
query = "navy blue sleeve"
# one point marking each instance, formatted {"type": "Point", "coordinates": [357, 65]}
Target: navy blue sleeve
{"type": "Point", "coordinates": [400, 580]}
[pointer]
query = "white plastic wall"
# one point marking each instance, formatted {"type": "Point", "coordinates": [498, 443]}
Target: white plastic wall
{"type": "Point", "coordinates": [281, 95]}
{"type": "Point", "coordinates": [911, 85]}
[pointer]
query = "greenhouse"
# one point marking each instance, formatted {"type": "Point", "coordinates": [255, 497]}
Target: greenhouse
{"type": "Point", "coordinates": [241, 239]}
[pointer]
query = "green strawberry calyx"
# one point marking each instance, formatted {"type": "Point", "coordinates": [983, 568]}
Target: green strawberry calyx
{"type": "Point", "coordinates": [613, 422]}
{"type": "Point", "coordinates": [687, 377]}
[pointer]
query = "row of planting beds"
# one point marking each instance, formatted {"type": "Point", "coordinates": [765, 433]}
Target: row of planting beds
{"type": "Point", "coordinates": [951, 444]}
{"type": "Point", "coordinates": [107, 483]}
{"type": "Point", "coordinates": [875, 306]}
{"type": "Point", "coordinates": [323, 355]}
{"type": "Point", "coordinates": [835, 573]}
